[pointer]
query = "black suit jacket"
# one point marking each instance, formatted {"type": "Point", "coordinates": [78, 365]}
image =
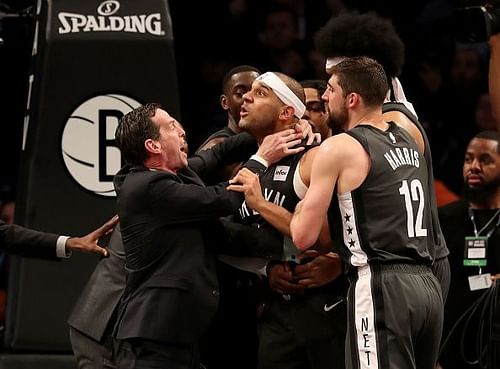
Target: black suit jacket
{"type": "Point", "coordinates": [171, 292]}
{"type": "Point", "coordinates": [94, 309]}
{"type": "Point", "coordinates": [15, 239]}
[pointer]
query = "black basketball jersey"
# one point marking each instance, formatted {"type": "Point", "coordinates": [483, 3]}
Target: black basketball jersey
{"type": "Point", "coordinates": [281, 184]}
{"type": "Point", "coordinates": [277, 184]}
{"type": "Point", "coordinates": [387, 219]}
{"type": "Point", "coordinates": [441, 247]}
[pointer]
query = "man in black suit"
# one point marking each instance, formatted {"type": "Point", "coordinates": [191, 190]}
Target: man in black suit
{"type": "Point", "coordinates": [15, 239]}
{"type": "Point", "coordinates": [169, 229]}
{"type": "Point", "coordinates": [93, 316]}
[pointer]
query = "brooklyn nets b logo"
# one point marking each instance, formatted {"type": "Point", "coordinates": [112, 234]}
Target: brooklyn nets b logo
{"type": "Point", "coordinates": [88, 142]}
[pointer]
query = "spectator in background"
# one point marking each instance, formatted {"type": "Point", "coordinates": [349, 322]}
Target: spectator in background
{"type": "Point", "coordinates": [494, 77]}
{"type": "Point", "coordinates": [429, 90]}
{"type": "Point", "coordinates": [483, 114]}
{"type": "Point", "coordinates": [466, 83]}
{"type": "Point", "coordinates": [477, 215]}
{"type": "Point", "coordinates": [280, 48]}
{"type": "Point", "coordinates": [311, 14]}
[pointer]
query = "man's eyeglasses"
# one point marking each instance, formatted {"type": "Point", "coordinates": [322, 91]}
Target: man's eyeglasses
{"type": "Point", "coordinates": [316, 106]}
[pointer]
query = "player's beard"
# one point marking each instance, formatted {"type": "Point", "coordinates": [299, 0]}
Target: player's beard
{"type": "Point", "coordinates": [338, 120]}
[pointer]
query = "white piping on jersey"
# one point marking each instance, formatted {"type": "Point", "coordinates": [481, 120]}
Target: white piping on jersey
{"type": "Point", "coordinates": [399, 95]}
{"type": "Point", "coordinates": [299, 186]}
{"type": "Point", "coordinates": [350, 230]}
{"type": "Point", "coordinates": [364, 315]}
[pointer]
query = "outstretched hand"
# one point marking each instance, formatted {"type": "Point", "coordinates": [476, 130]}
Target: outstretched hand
{"type": "Point", "coordinates": [278, 145]}
{"type": "Point", "coordinates": [305, 129]}
{"type": "Point", "coordinates": [247, 183]}
{"type": "Point", "coordinates": [88, 243]}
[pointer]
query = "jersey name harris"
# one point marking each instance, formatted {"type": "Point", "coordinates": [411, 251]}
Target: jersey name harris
{"type": "Point", "coordinates": [400, 156]}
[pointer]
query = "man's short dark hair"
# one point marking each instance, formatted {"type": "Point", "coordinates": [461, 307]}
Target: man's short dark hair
{"type": "Point", "coordinates": [317, 84]}
{"type": "Point", "coordinates": [134, 128]}
{"type": "Point", "coordinates": [353, 34]}
{"type": "Point", "coordinates": [490, 135]}
{"type": "Point", "coordinates": [363, 76]}
{"type": "Point", "coordinates": [235, 70]}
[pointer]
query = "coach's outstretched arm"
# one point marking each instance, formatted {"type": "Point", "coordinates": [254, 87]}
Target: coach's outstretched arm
{"type": "Point", "coordinates": [15, 239]}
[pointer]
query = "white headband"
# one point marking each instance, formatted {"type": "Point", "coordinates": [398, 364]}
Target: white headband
{"type": "Point", "coordinates": [331, 62]}
{"type": "Point", "coordinates": [283, 92]}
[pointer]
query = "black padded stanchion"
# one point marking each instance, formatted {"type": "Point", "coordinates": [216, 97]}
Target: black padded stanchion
{"type": "Point", "coordinates": [93, 61]}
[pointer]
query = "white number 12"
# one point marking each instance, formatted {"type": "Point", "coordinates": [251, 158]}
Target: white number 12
{"type": "Point", "coordinates": [415, 228]}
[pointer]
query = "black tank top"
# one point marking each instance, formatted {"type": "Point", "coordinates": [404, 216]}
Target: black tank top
{"type": "Point", "coordinates": [277, 187]}
{"type": "Point", "coordinates": [387, 219]}
{"type": "Point", "coordinates": [277, 184]}
{"type": "Point", "coordinates": [441, 250]}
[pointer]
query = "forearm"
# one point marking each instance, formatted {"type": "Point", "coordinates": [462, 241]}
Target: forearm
{"type": "Point", "coordinates": [234, 149]}
{"type": "Point", "coordinates": [304, 231]}
{"type": "Point", "coordinates": [275, 215]}
{"type": "Point", "coordinates": [24, 241]}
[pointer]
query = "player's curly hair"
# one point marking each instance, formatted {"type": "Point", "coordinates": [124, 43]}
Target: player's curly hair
{"type": "Point", "coordinates": [362, 34]}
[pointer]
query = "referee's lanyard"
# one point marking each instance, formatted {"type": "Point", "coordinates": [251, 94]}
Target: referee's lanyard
{"type": "Point", "coordinates": [476, 247]}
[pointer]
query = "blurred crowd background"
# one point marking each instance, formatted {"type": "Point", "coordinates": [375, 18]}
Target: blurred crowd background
{"type": "Point", "coordinates": [444, 79]}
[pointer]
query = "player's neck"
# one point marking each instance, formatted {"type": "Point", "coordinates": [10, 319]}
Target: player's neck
{"type": "Point", "coordinates": [232, 124]}
{"type": "Point", "coordinates": [369, 117]}
{"type": "Point", "coordinates": [156, 163]}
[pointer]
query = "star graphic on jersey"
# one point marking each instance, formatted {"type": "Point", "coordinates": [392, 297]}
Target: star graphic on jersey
{"type": "Point", "coordinates": [349, 230]}
{"type": "Point", "coordinates": [347, 218]}
{"type": "Point", "coordinates": [352, 243]}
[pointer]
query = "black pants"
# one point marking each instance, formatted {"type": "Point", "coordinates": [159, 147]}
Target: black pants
{"type": "Point", "coordinates": [395, 318]}
{"type": "Point", "coordinates": [303, 332]}
{"type": "Point", "coordinates": [441, 269]}
{"type": "Point", "coordinates": [139, 353]}
{"type": "Point", "coordinates": [89, 353]}
{"type": "Point", "coordinates": [231, 340]}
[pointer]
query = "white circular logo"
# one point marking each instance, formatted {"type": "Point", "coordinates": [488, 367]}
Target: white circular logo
{"type": "Point", "coordinates": [88, 142]}
{"type": "Point", "coordinates": [108, 7]}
